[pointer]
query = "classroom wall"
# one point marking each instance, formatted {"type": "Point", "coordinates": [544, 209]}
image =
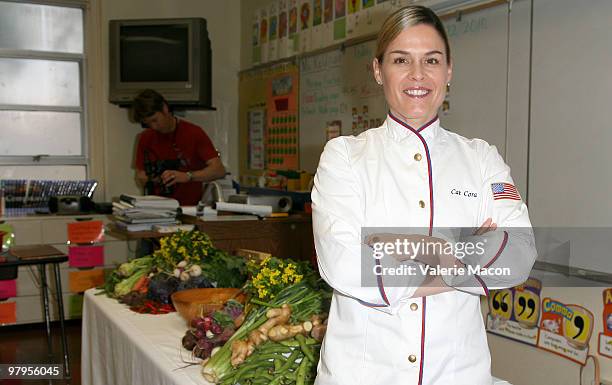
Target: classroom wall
{"type": "Point", "coordinates": [114, 158]}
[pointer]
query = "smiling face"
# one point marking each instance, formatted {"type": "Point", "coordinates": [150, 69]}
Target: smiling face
{"type": "Point", "coordinates": [414, 73]}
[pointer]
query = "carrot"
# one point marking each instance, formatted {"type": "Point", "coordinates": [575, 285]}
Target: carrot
{"type": "Point", "coordinates": [142, 282]}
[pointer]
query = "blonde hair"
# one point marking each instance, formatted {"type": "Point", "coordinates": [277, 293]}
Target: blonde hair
{"type": "Point", "coordinates": [408, 17]}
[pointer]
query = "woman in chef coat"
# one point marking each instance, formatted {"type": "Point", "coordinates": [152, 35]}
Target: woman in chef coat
{"type": "Point", "coordinates": [412, 173]}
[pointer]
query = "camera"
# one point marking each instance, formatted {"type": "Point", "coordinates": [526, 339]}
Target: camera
{"type": "Point", "coordinates": [154, 169]}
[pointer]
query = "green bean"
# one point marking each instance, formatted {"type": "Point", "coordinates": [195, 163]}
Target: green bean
{"type": "Point", "coordinates": [305, 349]}
{"type": "Point", "coordinates": [277, 364]}
{"type": "Point", "coordinates": [301, 372]}
{"type": "Point", "coordinates": [290, 360]}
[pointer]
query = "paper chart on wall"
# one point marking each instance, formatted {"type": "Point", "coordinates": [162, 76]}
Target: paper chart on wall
{"type": "Point", "coordinates": [282, 145]}
{"type": "Point", "coordinates": [336, 88]}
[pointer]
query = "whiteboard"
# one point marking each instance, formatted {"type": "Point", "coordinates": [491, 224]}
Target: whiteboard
{"type": "Point", "coordinates": [477, 97]}
{"type": "Point", "coordinates": [332, 84]}
{"type": "Point", "coordinates": [570, 157]}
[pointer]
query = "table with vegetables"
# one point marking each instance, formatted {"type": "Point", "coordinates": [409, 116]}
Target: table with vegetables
{"type": "Point", "coordinates": [131, 333]}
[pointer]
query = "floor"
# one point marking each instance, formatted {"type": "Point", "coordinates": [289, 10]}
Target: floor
{"type": "Point", "coordinates": [26, 344]}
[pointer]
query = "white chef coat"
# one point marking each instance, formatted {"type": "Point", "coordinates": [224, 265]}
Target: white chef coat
{"type": "Point", "coordinates": [395, 175]}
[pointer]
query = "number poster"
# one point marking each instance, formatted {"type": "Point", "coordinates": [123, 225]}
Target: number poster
{"type": "Point", "coordinates": [514, 312]}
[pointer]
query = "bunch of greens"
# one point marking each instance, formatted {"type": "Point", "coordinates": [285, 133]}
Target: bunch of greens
{"type": "Point", "coordinates": [224, 270]}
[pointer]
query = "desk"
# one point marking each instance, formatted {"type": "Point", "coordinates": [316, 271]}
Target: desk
{"type": "Point", "coordinates": [121, 347]}
{"type": "Point", "coordinates": [41, 256]}
{"type": "Point", "coordinates": [282, 237]}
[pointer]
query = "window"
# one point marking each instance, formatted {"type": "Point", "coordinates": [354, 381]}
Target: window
{"type": "Point", "coordinates": [42, 101]}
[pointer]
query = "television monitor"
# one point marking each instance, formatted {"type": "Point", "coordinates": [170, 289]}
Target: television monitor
{"type": "Point", "coordinates": [171, 56]}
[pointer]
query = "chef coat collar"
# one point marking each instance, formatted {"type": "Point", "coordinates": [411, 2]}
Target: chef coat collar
{"type": "Point", "coordinates": [400, 130]}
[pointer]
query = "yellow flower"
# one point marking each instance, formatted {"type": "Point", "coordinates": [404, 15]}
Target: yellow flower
{"type": "Point", "coordinates": [262, 293]}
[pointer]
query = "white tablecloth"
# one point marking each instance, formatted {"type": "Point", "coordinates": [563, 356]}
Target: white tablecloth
{"type": "Point", "coordinates": [120, 347]}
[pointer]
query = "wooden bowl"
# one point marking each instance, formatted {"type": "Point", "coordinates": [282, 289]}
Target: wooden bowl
{"type": "Point", "coordinates": [193, 303]}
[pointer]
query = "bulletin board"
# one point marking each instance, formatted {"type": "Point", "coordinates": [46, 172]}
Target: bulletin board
{"type": "Point", "coordinates": [255, 97]}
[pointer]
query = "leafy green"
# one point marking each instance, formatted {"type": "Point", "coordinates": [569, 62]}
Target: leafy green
{"type": "Point", "coordinates": [224, 269]}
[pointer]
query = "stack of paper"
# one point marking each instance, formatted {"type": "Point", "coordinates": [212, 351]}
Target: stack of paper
{"type": "Point", "coordinates": [141, 213]}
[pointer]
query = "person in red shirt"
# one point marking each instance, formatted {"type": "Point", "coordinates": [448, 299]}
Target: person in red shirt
{"type": "Point", "coordinates": [180, 152]}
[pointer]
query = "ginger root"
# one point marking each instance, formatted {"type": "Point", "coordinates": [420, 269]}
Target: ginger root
{"type": "Point", "coordinates": [318, 332]}
{"type": "Point", "coordinates": [241, 349]}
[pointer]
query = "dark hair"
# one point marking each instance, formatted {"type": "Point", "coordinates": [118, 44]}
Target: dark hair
{"type": "Point", "coordinates": [408, 17]}
{"type": "Point", "coordinates": [147, 103]}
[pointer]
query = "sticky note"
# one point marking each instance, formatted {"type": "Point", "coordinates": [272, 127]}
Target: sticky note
{"type": "Point", "coordinates": [79, 281]}
{"type": "Point", "coordinates": [8, 288]}
{"type": "Point", "coordinates": [86, 232]}
{"type": "Point", "coordinates": [85, 256]}
{"type": "Point", "coordinates": [8, 313]}
{"type": "Point", "coordinates": [75, 306]}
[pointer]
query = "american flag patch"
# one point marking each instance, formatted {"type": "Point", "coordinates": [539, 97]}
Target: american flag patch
{"type": "Point", "coordinates": [505, 191]}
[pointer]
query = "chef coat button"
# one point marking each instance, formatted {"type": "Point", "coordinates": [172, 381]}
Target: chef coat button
{"type": "Point", "coordinates": [412, 358]}
{"type": "Point", "coordinates": [414, 306]}
{"type": "Point", "coordinates": [422, 204]}
{"type": "Point", "coordinates": [417, 157]}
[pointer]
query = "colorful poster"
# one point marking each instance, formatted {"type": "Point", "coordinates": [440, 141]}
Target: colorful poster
{"type": "Point", "coordinates": [283, 21]}
{"type": "Point", "coordinates": [305, 25]}
{"type": "Point", "coordinates": [514, 312]}
{"type": "Point", "coordinates": [353, 17]}
{"type": "Point", "coordinates": [85, 232]}
{"type": "Point", "coordinates": [282, 128]}
{"type": "Point", "coordinates": [340, 9]}
{"type": "Point", "coordinates": [605, 338]}
{"type": "Point", "coordinates": [273, 29]}
{"type": "Point", "coordinates": [318, 27]}
{"type": "Point", "coordinates": [283, 29]}
{"type": "Point", "coordinates": [263, 34]}
{"type": "Point", "coordinates": [339, 20]}
{"type": "Point", "coordinates": [8, 289]}
{"type": "Point", "coordinates": [294, 38]}
{"type": "Point", "coordinates": [565, 329]}
{"type": "Point", "coordinates": [328, 11]}
{"type": "Point", "coordinates": [317, 16]}
{"type": "Point", "coordinates": [8, 313]}
{"type": "Point", "coordinates": [79, 281]}
{"type": "Point", "coordinates": [85, 256]}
